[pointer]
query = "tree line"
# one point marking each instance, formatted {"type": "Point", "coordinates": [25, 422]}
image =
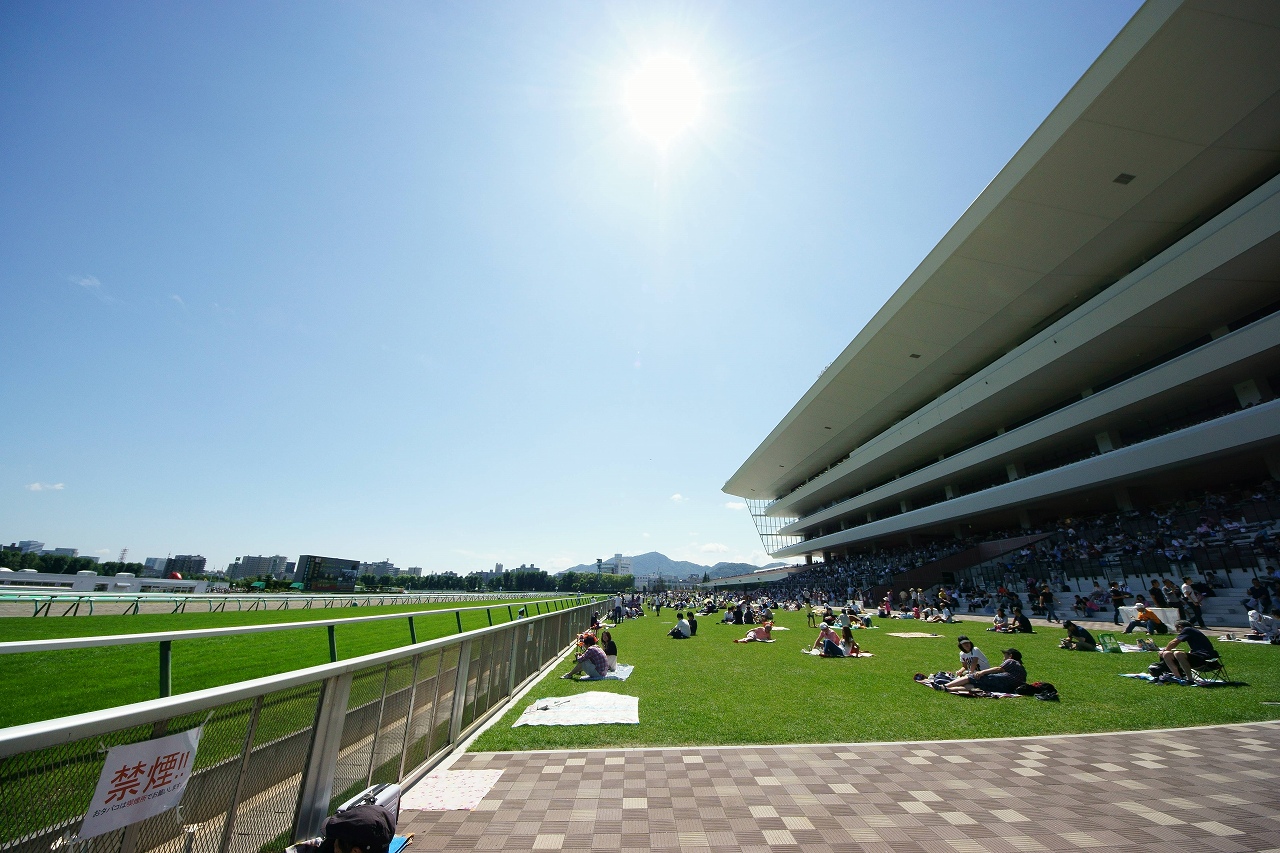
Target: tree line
{"type": "Point", "coordinates": [61, 564]}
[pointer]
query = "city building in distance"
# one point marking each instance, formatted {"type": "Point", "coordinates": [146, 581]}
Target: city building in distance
{"type": "Point", "coordinates": [1100, 330]}
{"type": "Point", "coordinates": [185, 565]}
{"type": "Point", "coordinates": [278, 567]}
{"type": "Point", "coordinates": [327, 574]}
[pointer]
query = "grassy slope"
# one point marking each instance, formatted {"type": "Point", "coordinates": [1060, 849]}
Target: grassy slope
{"type": "Point", "coordinates": [710, 691]}
{"type": "Point", "coordinates": [44, 685]}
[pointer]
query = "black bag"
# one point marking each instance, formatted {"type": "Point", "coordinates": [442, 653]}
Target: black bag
{"type": "Point", "coordinates": [367, 820]}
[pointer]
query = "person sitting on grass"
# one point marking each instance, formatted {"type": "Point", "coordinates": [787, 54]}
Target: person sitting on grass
{"type": "Point", "coordinates": [848, 644]}
{"type": "Point", "coordinates": [592, 662]}
{"type": "Point", "coordinates": [1199, 652]}
{"type": "Point", "coordinates": [610, 649]}
{"type": "Point", "coordinates": [828, 642]}
{"type": "Point", "coordinates": [760, 634]}
{"type": "Point", "coordinates": [1005, 678]}
{"type": "Point", "coordinates": [692, 619]}
{"type": "Point", "coordinates": [681, 631]}
{"type": "Point", "coordinates": [999, 622]}
{"type": "Point", "coordinates": [1020, 624]}
{"type": "Point", "coordinates": [1145, 618]}
{"type": "Point", "coordinates": [971, 657]}
{"type": "Point", "coordinates": [1263, 627]}
{"type": "Point", "coordinates": [1078, 639]}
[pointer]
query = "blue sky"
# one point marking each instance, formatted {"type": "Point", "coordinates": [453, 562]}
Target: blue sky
{"type": "Point", "coordinates": [402, 280]}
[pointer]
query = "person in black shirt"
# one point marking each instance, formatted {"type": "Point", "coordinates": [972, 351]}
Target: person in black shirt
{"type": "Point", "coordinates": [1078, 639]}
{"type": "Point", "coordinates": [1020, 623]}
{"type": "Point", "coordinates": [1199, 650]}
{"type": "Point", "coordinates": [1117, 599]}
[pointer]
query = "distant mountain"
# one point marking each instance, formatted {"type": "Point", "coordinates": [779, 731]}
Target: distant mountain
{"type": "Point", "coordinates": [654, 563]}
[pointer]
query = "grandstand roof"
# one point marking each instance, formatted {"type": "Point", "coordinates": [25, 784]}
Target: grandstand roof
{"type": "Point", "coordinates": [1176, 120]}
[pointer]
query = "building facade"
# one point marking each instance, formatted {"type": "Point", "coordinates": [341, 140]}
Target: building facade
{"type": "Point", "coordinates": [1100, 330]}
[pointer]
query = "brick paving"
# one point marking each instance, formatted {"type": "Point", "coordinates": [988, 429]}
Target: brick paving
{"type": "Point", "coordinates": [1213, 789]}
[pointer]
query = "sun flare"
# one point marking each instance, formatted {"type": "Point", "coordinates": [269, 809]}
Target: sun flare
{"type": "Point", "coordinates": [664, 98]}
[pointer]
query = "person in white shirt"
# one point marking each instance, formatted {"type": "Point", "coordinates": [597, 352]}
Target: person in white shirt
{"type": "Point", "coordinates": [971, 657]}
{"type": "Point", "coordinates": [681, 631]}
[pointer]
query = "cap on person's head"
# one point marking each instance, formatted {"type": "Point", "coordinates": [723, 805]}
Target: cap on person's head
{"type": "Point", "coordinates": [1013, 653]}
{"type": "Point", "coordinates": [963, 638]}
{"type": "Point", "coordinates": [1068, 624]}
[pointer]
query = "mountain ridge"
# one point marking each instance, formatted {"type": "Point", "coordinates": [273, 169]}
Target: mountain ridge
{"type": "Point", "coordinates": [656, 563]}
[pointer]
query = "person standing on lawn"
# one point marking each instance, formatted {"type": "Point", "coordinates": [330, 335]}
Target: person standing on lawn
{"type": "Point", "coordinates": [1117, 599]}
{"type": "Point", "coordinates": [1193, 601]}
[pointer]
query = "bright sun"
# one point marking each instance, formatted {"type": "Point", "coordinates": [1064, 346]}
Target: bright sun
{"type": "Point", "coordinates": [664, 98]}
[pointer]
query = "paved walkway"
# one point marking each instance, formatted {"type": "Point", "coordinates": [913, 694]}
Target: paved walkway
{"type": "Point", "coordinates": [1181, 791]}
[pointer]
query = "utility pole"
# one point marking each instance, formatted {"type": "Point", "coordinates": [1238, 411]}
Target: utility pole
{"type": "Point", "coordinates": [124, 552]}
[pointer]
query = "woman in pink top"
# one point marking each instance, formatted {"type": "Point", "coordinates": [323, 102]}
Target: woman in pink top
{"type": "Point", "coordinates": [760, 634]}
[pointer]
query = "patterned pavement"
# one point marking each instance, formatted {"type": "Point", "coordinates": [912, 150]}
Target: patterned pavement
{"type": "Point", "coordinates": [1182, 791]}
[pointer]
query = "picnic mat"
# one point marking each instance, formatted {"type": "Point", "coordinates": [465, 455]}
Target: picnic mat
{"type": "Point", "coordinates": [622, 673]}
{"type": "Point", "coordinates": [818, 653]}
{"type": "Point", "coordinates": [450, 790]}
{"type": "Point", "coordinates": [911, 634]}
{"type": "Point", "coordinates": [584, 709]}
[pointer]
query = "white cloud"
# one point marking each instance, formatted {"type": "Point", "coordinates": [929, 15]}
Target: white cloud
{"type": "Point", "coordinates": [178, 299]}
{"type": "Point", "coordinates": [713, 548]}
{"type": "Point", "coordinates": [45, 487]}
{"type": "Point", "coordinates": [103, 551]}
{"type": "Point", "coordinates": [646, 535]}
{"type": "Point", "coordinates": [679, 498]}
{"type": "Point", "coordinates": [90, 284]}
{"type": "Point", "coordinates": [735, 505]}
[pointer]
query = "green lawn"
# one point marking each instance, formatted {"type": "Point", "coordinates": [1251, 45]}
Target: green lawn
{"type": "Point", "coordinates": [44, 685]}
{"type": "Point", "coordinates": [710, 691]}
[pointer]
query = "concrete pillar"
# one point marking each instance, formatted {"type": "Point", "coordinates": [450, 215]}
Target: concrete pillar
{"type": "Point", "coordinates": [904, 505]}
{"type": "Point", "coordinates": [1015, 470]}
{"type": "Point", "coordinates": [1219, 332]}
{"type": "Point", "coordinates": [871, 516]}
{"type": "Point", "coordinates": [1123, 503]}
{"type": "Point", "coordinates": [1024, 519]}
{"type": "Point", "coordinates": [999, 430]}
{"type": "Point", "coordinates": [951, 491]}
{"type": "Point", "coordinates": [1108, 440]}
{"type": "Point", "coordinates": [1086, 392]}
{"type": "Point", "coordinates": [808, 559]}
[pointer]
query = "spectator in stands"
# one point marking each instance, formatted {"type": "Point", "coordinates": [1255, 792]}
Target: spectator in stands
{"type": "Point", "coordinates": [1078, 639]}
{"type": "Point", "coordinates": [1009, 675]}
{"type": "Point", "coordinates": [1147, 619]}
{"type": "Point", "coordinates": [1199, 651]}
{"type": "Point", "coordinates": [592, 662]}
{"type": "Point", "coordinates": [681, 631]}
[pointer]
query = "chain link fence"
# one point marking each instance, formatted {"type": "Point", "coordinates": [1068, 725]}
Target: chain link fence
{"type": "Point", "coordinates": [276, 754]}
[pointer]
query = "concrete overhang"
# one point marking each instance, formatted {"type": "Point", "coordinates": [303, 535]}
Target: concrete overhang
{"type": "Point", "coordinates": [1181, 381]}
{"type": "Point", "coordinates": [1209, 278]}
{"type": "Point", "coordinates": [1186, 99]}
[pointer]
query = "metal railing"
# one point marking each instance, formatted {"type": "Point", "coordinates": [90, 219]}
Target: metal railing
{"type": "Point", "coordinates": [52, 602]}
{"type": "Point", "coordinates": [277, 754]}
{"type": "Point", "coordinates": [165, 639]}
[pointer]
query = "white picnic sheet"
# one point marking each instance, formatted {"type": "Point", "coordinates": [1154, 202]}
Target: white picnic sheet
{"type": "Point", "coordinates": [585, 709]}
{"type": "Point", "coordinates": [912, 634]}
{"type": "Point", "coordinates": [450, 790]}
{"type": "Point", "coordinates": [622, 673]}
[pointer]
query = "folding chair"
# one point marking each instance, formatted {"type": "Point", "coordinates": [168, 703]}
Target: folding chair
{"type": "Point", "coordinates": [1109, 642]}
{"type": "Point", "coordinates": [1212, 670]}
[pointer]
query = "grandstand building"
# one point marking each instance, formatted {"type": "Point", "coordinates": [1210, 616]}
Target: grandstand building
{"type": "Point", "coordinates": [1100, 330]}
